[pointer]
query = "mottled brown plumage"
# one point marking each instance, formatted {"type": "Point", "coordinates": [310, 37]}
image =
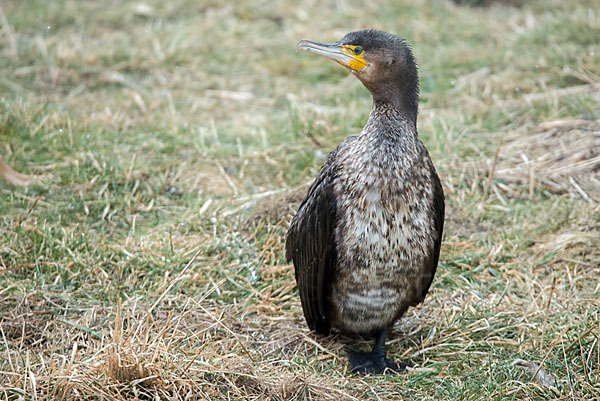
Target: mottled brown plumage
{"type": "Point", "coordinates": [365, 242]}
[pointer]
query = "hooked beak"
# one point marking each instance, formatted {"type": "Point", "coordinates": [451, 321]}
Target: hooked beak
{"type": "Point", "coordinates": [341, 54]}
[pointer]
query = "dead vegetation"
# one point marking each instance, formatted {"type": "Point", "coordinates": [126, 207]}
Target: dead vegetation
{"type": "Point", "coordinates": [199, 351]}
{"type": "Point", "coordinates": [561, 156]}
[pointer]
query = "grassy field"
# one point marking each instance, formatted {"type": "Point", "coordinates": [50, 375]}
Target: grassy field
{"type": "Point", "coordinates": [168, 144]}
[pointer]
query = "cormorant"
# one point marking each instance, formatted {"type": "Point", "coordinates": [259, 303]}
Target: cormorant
{"type": "Point", "coordinates": [366, 239]}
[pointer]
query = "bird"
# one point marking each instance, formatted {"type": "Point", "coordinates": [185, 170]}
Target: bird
{"type": "Point", "coordinates": [365, 241]}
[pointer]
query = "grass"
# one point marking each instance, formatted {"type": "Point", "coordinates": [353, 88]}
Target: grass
{"type": "Point", "coordinates": [170, 143]}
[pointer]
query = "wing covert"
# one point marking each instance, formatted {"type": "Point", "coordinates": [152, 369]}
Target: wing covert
{"type": "Point", "coordinates": [438, 207]}
{"type": "Point", "coordinates": [311, 245]}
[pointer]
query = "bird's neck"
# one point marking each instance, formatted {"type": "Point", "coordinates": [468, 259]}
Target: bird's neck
{"type": "Point", "coordinates": [399, 107]}
{"type": "Point", "coordinates": [390, 119]}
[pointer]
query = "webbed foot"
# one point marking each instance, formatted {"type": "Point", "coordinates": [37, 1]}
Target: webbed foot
{"type": "Point", "coordinates": [374, 362]}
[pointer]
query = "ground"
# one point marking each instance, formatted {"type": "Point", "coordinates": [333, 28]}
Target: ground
{"type": "Point", "coordinates": [167, 145]}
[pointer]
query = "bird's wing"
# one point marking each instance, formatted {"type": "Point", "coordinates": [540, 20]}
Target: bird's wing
{"type": "Point", "coordinates": [311, 245]}
{"type": "Point", "coordinates": [438, 223]}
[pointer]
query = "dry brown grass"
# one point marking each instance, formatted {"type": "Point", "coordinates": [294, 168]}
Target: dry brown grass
{"type": "Point", "coordinates": [561, 156]}
{"type": "Point", "coordinates": [198, 351]}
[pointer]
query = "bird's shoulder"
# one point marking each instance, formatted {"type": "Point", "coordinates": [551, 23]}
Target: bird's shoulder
{"type": "Point", "coordinates": [326, 176]}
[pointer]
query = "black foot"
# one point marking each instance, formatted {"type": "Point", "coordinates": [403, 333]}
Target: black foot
{"type": "Point", "coordinates": [373, 363]}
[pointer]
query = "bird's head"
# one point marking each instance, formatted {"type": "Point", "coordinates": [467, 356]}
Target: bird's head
{"type": "Point", "coordinates": [383, 62]}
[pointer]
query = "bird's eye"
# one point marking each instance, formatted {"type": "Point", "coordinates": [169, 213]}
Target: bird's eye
{"type": "Point", "coordinates": [358, 50]}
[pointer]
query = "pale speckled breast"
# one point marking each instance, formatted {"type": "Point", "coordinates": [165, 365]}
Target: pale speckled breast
{"type": "Point", "coordinates": [383, 235]}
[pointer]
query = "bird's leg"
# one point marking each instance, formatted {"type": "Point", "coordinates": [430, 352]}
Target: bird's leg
{"type": "Point", "coordinates": [375, 361]}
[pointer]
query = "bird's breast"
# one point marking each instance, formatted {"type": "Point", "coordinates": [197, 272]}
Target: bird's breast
{"type": "Point", "coordinates": [382, 236]}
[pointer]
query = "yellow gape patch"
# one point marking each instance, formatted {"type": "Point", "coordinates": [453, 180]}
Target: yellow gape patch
{"type": "Point", "coordinates": [358, 62]}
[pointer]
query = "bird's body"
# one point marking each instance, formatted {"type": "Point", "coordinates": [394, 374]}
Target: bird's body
{"type": "Point", "coordinates": [365, 241]}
